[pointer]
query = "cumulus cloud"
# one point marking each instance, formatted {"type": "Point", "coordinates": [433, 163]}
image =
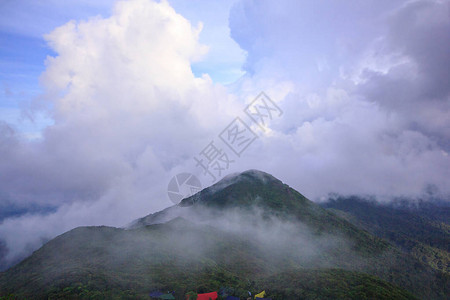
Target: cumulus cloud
{"type": "Point", "coordinates": [127, 110]}
{"type": "Point", "coordinates": [363, 87]}
{"type": "Point", "coordinates": [416, 81]}
{"type": "Point", "coordinates": [366, 111]}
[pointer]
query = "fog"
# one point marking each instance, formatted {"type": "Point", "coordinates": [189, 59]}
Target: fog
{"type": "Point", "coordinates": [279, 241]}
{"type": "Point", "coordinates": [363, 86]}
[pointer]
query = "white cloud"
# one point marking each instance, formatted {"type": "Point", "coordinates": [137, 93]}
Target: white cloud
{"type": "Point", "coordinates": [368, 122]}
{"type": "Point", "coordinates": [129, 112]}
{"type": "Point", "coordinates": [223, 62]}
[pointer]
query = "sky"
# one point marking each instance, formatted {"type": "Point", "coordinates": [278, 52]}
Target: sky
{"type": "Point", "coordinates": [103, 103]}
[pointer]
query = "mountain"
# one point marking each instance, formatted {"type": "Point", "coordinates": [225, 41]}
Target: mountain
{"type": "Point", "coordinates": [104, 262]}
{"type": "Point", "coordinates": [421, 229]}
{"type": "Point", "coordinates": [249, 231]}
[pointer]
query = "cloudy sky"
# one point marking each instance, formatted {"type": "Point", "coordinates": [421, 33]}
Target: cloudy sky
{"type": "Point", "coordinates": [102, 104]}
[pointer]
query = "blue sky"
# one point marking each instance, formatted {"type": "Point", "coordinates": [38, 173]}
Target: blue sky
{"type": "Point", "coordinates": [102, 103]}
{"type": "Point", "coordinates": [21, 63]}
{"type": "Point", "coordinates": [23, 50]}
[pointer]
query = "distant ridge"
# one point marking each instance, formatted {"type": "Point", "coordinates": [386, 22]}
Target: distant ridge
{"type": "Point", "coordinates": [249, 231]}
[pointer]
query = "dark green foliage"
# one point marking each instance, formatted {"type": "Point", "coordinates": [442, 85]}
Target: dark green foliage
{"type": "Point", "coordinates": [330, 284]}
{"type": "Point", "coordinates": [181, 256]}
{"type": "Point", "coordinates": [280, 200]}
{"type": "Point", "coordinates": [410, 227]}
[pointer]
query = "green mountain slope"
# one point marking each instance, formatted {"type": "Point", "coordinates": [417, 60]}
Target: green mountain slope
{"type": "Point", "coordinates": [258, 189]}
{"type": "Point", "coordinates": [419, 230]}
{"type": "Point", "coordinates": [249, 231]}
{"type": "Point", "coordinates": [104, 262]}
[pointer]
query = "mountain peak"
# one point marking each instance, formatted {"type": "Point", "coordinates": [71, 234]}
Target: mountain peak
{"type": "Point", "coordinates": [250, 177]}
{"type": "Point", "coordinates": [251, 187]}
{"type": "Point", "coordinates": [247, 226]}
{"type": "Point", "coordinates": [257, 175]}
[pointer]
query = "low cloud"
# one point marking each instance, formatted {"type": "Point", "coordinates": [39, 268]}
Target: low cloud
{"type": "Point", "coordinates": [365, 111]}
{"type": "Point", "coordinates": [363, 88]}
{"type": "Point", "coordinates": [278, 241]}
{"type": "Point", "coordinates": [128, 112]}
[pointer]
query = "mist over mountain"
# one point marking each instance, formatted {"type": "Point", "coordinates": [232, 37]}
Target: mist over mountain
{"type": "Point", "coordinates": [103, 102]}
{"type": "Point", "coordinates": [107, 106]}
{"type": "Point", "coordinates": [249, 231]}
{"type": "Point", "coordinates": [421, 229]}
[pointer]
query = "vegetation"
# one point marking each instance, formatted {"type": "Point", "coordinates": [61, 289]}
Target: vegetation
{"type": "Point", "coordinates": [331, 284]}
{"type": "Point", "coordinates": [418, 230]}
{"type": "Point", "coordinates": [345, 262]}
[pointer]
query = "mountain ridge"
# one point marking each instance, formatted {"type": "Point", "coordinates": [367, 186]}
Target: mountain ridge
{"type": "Point", "coordinates": [419, 230]}
{"type": "Point", "coordinates": [249, 228]}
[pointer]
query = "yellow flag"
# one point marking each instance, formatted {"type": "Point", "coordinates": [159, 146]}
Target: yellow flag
{"type": "Point", "coordinates": [260, 295]}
